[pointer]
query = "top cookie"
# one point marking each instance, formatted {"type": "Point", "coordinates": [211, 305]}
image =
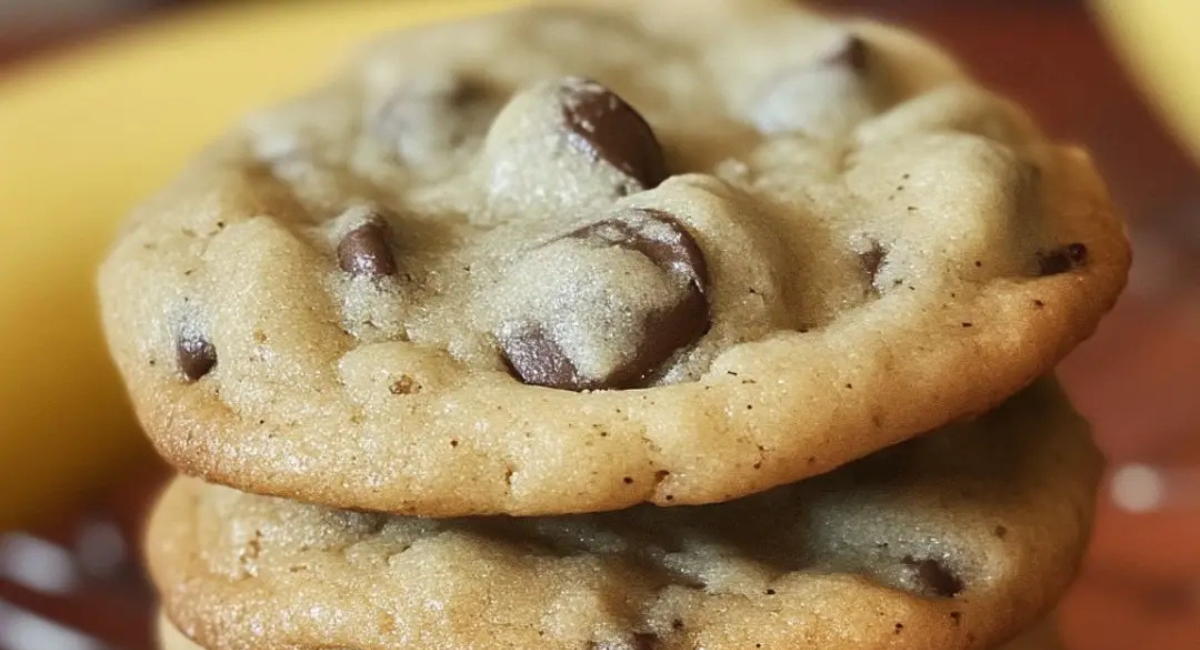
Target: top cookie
{"type": "Point", "coordinates": [573, 259]}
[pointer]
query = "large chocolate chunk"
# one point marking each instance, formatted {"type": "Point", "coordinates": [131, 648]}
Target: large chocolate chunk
{"type": "Point", "coordinates": [537, 358]}
{"type": "Point", "coordinates": [196, 355]}
{"type": "Point", "coordinates": [367, 250]}
{"type": "Point", "coordinates": [608, 129]}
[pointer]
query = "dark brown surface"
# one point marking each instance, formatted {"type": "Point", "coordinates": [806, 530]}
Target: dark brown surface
{"type": "Point", "coordinates": [1136, 380]}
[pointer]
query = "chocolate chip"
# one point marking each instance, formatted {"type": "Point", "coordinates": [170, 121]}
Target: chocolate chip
{"type": "Point", "coordinates": [1062, 260]}
{"type": "Point", "coordinates": [196, 356]}
{"type": "Point", "coordinates": [536, 358]}
{"type": "Point", "coordinates": [367, 250]}
{"type": "Point", "coordinates": [850, 51]}
{"type": "Point", "coordinates": [605, 127]}
{"type": "Point", "coordinates": [678, 252]}
{"type": "Point", "coordinates": [822, 97]}
{"type": "Point", "coordinates": [933, 578]}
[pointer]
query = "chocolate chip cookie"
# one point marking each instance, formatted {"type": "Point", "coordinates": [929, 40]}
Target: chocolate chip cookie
{"type": "Point", "coordinates": [1041, 637]}
{"type": "Point", "coordinates": [958, 539]}
{"type": "Point", "coordinates": [569, 259]}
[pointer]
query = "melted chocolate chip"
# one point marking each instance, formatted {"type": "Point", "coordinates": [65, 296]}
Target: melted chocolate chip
{"type": "Point", "coordinates": [933, 578]}
{"type": "Point", "coordinates": [367, 250]}
{"type": "Point", "coordinates": [539, 360]}
{"type": "Point", "coordinates": [677, 253]}
{"type": "Point", "coordinates": [1062, 260]}
{"type": "Point", "coordinates": [605, 127]}
{"type": "Point", "coordinates": [851, 51]}
{"type": "Point", "coordinates": [823, 97]}
{"type": "Point", "coordinates": [197, 356]}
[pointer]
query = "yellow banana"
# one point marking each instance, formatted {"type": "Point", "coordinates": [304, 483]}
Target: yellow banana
{"type": "Point", "coordinates": [1158, 40]}
{"type": "Point", "coordinates": [83, 136]}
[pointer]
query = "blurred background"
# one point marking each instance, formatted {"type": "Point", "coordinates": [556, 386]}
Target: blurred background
{"type": "Point", "coordinates": [90, 94]}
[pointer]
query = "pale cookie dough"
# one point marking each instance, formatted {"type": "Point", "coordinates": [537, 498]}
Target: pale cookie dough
{"type": "Point", "coordinates": [957, 540]}
{"type": "Point", "coordinates": [566, 260]}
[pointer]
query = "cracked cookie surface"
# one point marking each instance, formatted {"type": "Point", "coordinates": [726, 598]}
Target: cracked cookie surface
{"type": "Point", "coordinates": [956, 540]}
{"type": "Point", "coordinates": [569, 259]}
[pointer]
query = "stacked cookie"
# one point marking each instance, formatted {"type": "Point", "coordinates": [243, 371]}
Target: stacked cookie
{"type": "Point", "coordinates": [632, 325]}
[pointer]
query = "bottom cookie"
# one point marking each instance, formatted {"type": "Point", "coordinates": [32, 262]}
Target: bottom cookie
{"type": "Point", "coordinates": [957, 540]}
{"type": "Point", "coordinates": [1040, 637]}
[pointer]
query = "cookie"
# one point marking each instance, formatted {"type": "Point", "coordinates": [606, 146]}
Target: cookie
{"type": "Point", "coordinates": [958, 539]}
{"type": "Point", "coordinates": [1040, 638]}
{"type": "Point", "coordinates": [575, 259]}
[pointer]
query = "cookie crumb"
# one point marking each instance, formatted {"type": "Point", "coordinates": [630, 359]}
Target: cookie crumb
{"type": "Point", "coordinates": [405, 385]}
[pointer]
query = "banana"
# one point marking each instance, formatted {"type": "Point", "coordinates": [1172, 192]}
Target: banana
{"type": "Point", "coordinates": [1157, 39]}
{"type": "Point", "coordinates": [83, 136]}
